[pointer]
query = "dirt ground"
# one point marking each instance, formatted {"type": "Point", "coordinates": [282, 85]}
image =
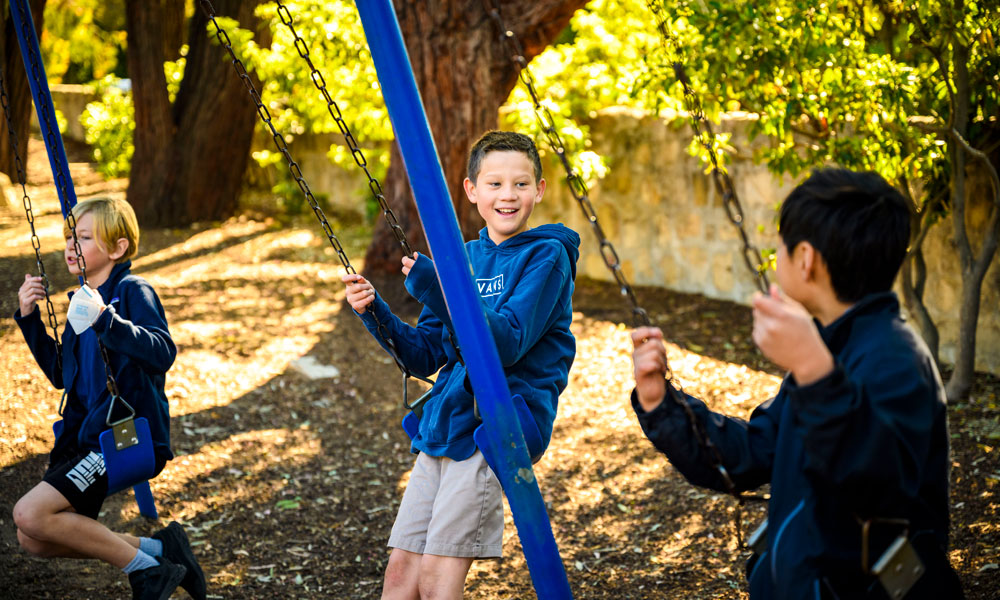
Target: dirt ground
{"type": "Point", "coordinates": [288, 485]}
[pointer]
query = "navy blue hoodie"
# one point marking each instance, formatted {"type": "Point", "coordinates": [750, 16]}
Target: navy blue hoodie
{"type": "Point", "coordinates": [868, 440]}
{"type": "Point", "coordinates": [134, 330]}
{"type": "Point", "coordinates": [526, 285]}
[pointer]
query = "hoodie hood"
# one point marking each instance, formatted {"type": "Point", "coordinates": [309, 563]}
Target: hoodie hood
{"type": "Point", "coordinates": [569, 239]}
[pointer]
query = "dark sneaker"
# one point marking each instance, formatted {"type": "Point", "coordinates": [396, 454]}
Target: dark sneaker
{"type": "Point", "coordinates": [177, 549]}
{"type": "Point", "coordinates": [156, 583]}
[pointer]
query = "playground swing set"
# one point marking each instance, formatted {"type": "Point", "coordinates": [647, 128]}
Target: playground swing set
{"type": "Point", "coordinates": [508, 436]}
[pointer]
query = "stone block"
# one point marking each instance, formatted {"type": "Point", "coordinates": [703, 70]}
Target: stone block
{"type": "Point", "coordinates": [722, 273]}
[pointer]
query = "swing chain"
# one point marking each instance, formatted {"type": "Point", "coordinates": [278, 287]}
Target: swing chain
{"type": "Point", "coordinates": [36, 243]}
{"type": "Point", "coordinates": [577, 185]}
{"type": "Point", "coordinates": [296, 171]}
{"type": "Point", "coordinates": [706, 137]}
{"type": "Point", "coordinates": [359, 157]}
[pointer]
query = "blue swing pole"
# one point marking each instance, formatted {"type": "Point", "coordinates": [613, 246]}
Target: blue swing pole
{"type": "Point", "coordinates": [437, 215]}
{"type": "Point", "coordinates": [24, 27]}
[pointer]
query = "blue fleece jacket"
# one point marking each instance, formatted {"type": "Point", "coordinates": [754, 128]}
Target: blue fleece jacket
{"type": "Point", "coordinates": [868, 440]}
{"type": "Point", "coordinates": [526, 285]}
{"type": "Point", "coordinates": [134, 330]}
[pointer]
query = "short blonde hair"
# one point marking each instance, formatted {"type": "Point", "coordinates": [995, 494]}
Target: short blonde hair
{"type": "Point", "coordinates": [113, 220]}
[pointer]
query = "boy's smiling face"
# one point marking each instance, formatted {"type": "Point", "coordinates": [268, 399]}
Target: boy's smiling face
{"type": "Point", "coordinates": [505, 192]}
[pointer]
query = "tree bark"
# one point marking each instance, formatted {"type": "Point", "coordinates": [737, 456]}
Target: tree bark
{"type": "Point", "coordinates": [173, 28]}
{"type": "Point", "coordinates": [973, 264]}
{"type": "Point", "coordinates": [913, 273]}
{"type": "Point", "coordinates": [190, 156]}
{"type": "Point", "coordinates": [464, 74]}
{"type": "Point", "coordinates": [18, 92]}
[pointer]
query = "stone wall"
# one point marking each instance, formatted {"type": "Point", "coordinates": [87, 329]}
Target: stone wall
{"type": "Point", "coordinates": [71, 101]}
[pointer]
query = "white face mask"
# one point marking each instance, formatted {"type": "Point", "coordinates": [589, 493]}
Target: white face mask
{"type": "Point", "coordinates": [84, 309]}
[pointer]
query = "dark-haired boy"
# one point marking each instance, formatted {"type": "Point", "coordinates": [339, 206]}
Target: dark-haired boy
{"type": "Point", "coordinates": [452, 510]}
{"type": "Point", "coordinates": [856, 438]}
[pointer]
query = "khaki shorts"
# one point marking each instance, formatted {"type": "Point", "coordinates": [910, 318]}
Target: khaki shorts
{"type": "Point", "coordinates": [450, 508]}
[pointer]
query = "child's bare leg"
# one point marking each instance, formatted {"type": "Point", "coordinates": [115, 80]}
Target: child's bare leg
{"type": "Point", "coordinates": [48, 526]}
{"type": "Point", "coordinates": [443, 577]}
{"type": "Point", "coordinates": [401, 576]}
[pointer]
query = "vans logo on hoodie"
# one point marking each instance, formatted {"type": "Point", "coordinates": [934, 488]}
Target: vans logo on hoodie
{"type": "Point", "coordinates": [490, 287]}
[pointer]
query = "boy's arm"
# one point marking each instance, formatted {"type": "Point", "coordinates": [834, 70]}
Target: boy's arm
{"type": "Point", "coordinates": [746, 448]}
{"type": "Point", "coordinates": [42, 346]}
{"type": "Point", "coordinates": [419, 348]}
{"type": "Point", "coordinates": [144, 337]}
{"type": "Point", "coordinates": [868, 434]}
{"type": "Point", "coordinates": [523, 318]}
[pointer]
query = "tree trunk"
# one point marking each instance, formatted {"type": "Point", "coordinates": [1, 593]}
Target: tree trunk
{"type": "Point", "coordinates": [189, 157]}
{"type": "Point", "coordinates": [913, 278]}
{"type": "Point", "coordinates": [973, 265]}
{"type": "Point", "coordinates": [18, 92]}
{"type": "Point", "coordinates": [464, 74]}
{"type": "Point", "coordinates": [913, 274]}
{"type": "Point", "coordinates": [173, 28]}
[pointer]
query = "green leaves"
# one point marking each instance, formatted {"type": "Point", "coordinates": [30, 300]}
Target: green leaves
{"type": "Point", "coordinates": [827, 83]}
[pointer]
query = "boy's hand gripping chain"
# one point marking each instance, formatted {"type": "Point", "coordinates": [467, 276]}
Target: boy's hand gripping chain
{"type": "Point", "coordinates": [578, 188]}
{"type": "Point", "coordinates": [296, 171]}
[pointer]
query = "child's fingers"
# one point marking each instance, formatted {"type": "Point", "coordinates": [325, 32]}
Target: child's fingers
{"type": "Point", "coordinates": [643, 334]}
{"type": "Point", "coordinates": [353, 278]}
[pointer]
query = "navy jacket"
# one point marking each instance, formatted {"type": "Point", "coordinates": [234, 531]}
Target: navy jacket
{"type": "Point", "coordinates": [134, 330]}
{"type": "Point", "coordinates": [869, 440]}
{"type": "Point", "coordinates": [526, 285]}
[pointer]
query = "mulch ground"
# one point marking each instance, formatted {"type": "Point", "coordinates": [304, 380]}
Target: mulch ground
{"type": "Point", "coordinates": [288, 486]}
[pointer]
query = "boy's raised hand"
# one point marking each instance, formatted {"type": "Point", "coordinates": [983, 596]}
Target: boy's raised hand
{"type": "Point", "coordinates": [32, 290]}
{"type": "Point", "coordinates": [649, 361]}
{"type": "Point", "coordinates": [408, 263]}
{"type": "Point", "coordinates": [360, 293]}
{"type": "Point", "coordinates": [785, 332]}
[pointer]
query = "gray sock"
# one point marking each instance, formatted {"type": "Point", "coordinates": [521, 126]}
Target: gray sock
{"type": "Point", "coordinates": [140, 562]}
{"type": "Point", "coordinates": [150, 546]}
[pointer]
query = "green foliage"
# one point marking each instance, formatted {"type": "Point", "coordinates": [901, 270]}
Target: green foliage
{"type": "Point", "coordinates": [109, 124]}
{"type": "Point", "coordinates": [824, 83]}
{"type": "Point", "coordinates": [331, 32]}
{"type": "Point", "coordinates": [83, 40]}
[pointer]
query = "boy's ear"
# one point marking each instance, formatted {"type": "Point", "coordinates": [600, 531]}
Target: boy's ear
{"type": "Point", "coordinates": [119, 249]}
{"type": "Point", "coordinates": [540, 189]}
{"type": "Point", "coordinates": [470, 189]}
{"type": "Point", "coordinates": [808, 261]}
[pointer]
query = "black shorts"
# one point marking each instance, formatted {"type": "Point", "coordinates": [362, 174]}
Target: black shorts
{"type": "Point", "coordinates": [81, 478]}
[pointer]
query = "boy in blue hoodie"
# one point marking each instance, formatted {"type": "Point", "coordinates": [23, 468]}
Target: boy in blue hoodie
{"type": "Point", "coordinates": [58, 517]}
{"type": "Point", "coordinates": [855, 444]}
{"type": "Point", "coordinates": [452, 510]}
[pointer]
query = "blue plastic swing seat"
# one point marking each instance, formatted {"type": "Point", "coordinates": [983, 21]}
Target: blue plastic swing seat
{"type": "Point", "coordinates": [532, 436]}
{"type": "Point", "coordinates": [130, 467]}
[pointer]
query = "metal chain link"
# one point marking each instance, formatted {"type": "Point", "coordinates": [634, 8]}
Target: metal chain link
{"type": "Point", "coordinates": [359, 157]}
{"type": "Point", "coordinates": [293, 167]}
{"type": "Point", "coordinates": [577, 186]}
{"type": "Point", "coordinates": [61, 178]}
{"type": "Point", "coordinates": [29, 213]}
{"type": "Point", "coordinates": [578, 189]}
{"type": "Point", "coordinates": [706, 137]}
